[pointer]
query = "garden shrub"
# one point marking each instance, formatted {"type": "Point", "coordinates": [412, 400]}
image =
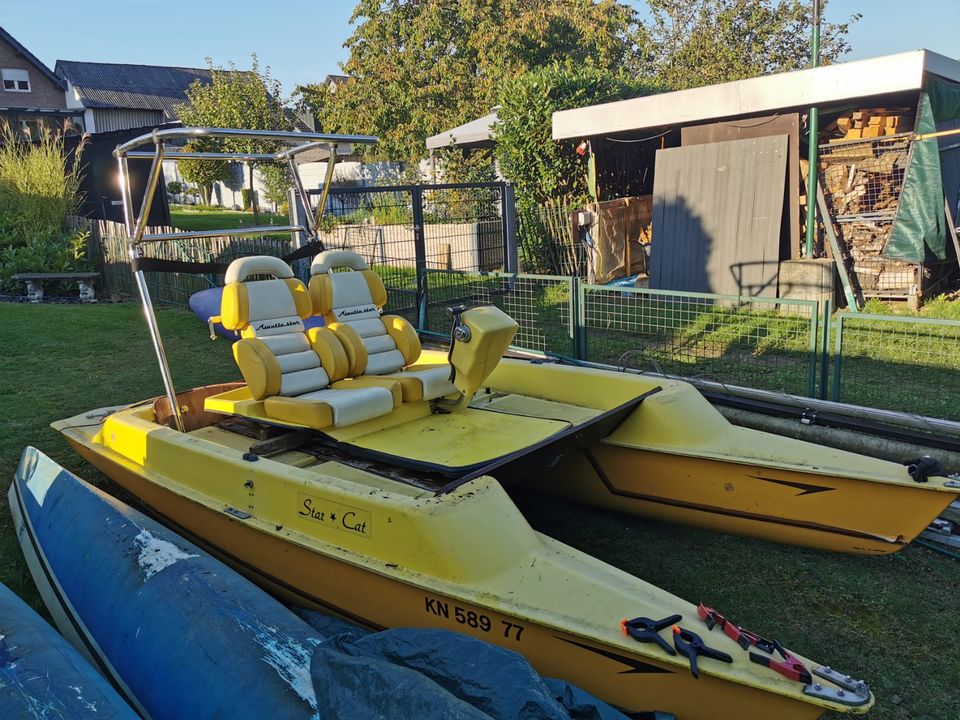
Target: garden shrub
{"type": "Point", "coordinates": [547, 174]}
{"type": "Point", "coordinates": [38, 195]}
{"type": "Point", "coordinates": [539, 167]}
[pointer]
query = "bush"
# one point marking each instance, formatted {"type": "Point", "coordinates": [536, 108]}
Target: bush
{"type": "Point", "coordinates": [540, 168]}
{"type": "Point", "coordinates": [546, 174]}
{"type": "Point", "coordinates": [245, 199]}
{"type": "Point", "coordinates": [38, 194]}
{"type": "Point", "coordinates": [174, 187]}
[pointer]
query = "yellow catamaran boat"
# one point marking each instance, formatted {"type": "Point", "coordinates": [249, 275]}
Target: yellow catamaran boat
{"type": "Point", "coordinates": [354, 472]}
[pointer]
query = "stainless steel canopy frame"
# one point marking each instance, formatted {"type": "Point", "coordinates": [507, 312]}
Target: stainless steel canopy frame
{"type": "Point", "coordinates": [136, 223]}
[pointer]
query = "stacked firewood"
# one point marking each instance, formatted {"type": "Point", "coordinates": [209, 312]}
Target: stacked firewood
{"type": "Point", "coordinates": [870, 123]}
{"type": "Point", "coordinates": [865, 241]}
{"type": "Point", "coordinates": [862, 183]}
{"type": "Point", "coordinates": [861, 179]}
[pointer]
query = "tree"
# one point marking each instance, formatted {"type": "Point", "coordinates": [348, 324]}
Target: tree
{"type": "Point", "coordinates": [418, 67]}
{"type": "Point", "coordinates": [539, 168]}
{"type": "Point", "coordinates": [248, 99]}
{"type": "Point", "coordinates": [549, 176]}
{"type": "Point", "coordinates": [202, 173]}
{"type": "Point", "coordinates": [690, 43]}
{"type": "Point", "coordinates": [276, 181]}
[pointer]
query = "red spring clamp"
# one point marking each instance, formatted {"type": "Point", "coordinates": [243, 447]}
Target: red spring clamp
{"type": "Point", "coordinates": [790, 667]}
{"type": "Point", "coordinates": [744, 638]}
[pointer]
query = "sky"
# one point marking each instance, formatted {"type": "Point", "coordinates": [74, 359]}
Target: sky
{"type": "Point", "coordinates": [302, 40]}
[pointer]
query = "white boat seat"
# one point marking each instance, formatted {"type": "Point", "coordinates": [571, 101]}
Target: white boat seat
{"type": "Point", "coordinates": [293, 372]}
{"type": "Point", "coordinates": [351, 302]}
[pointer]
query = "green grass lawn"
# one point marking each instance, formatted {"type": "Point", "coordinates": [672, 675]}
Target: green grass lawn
{"type": "Point", "coordinates": [185, 218]}
{"type": "Point", "coordinates": [891, 620]}
{"type": "Point", "coordinates": [60, 360]}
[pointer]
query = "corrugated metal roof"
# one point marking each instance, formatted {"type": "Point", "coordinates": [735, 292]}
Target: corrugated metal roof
{"type": "Point", "coordinates": [133, 87]}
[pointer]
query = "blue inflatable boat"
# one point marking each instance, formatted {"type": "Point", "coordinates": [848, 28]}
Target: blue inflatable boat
{"type": "Point", "coordinates": [42, 676]}
{"type": "Point", "coordinates": [205, 304]}
{"type": "Point", "coordinates": [182, 635]}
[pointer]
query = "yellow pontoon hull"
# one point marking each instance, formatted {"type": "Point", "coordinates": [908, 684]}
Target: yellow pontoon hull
{"type": "Point", "coordinates": [385, 555]}
{"type": "Point", "coordinates": [676, 458]}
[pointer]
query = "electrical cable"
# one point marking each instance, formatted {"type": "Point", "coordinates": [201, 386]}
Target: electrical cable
{"type": "Point", "coordinates": [652, 137]}
{"type": "Point", "coordinates": [751, 125]}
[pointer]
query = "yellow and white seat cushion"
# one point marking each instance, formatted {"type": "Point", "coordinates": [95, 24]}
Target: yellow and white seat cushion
{"type": "Point", "coordinates": [350, 302]}
{"type": "Point", "coordinates": [287, 368]}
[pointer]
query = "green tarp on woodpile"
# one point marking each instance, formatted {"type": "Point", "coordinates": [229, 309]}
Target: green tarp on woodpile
{"type": "Point", "coordinates": [919, 231]}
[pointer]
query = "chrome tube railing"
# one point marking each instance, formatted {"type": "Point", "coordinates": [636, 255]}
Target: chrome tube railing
{"type": "Point", "coordinates": [136, 224]}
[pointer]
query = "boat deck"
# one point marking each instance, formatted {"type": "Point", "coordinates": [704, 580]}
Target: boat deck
{"type": "Point", "coordinates": [504, 434]}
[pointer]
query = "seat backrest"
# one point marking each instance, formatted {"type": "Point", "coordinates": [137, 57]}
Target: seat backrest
{"type": "Point", "coordinates": [355, 296]}
{"type": "Point", "coordinates": [275, 355]}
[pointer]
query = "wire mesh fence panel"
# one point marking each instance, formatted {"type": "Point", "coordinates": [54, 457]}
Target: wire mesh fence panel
{"type": "Point", "coordinates": [546, 239]}
{"type": "Point", "coordinates": [377, 224]}
{"type": "Point", "coordinates": [539, 303]}
{"type": "Point", "coordinates": [862, 182]}
{"type": "Point", "coordinates": [463, 228]}
{"type": "Point", "coordinates": [399, 229]}
{"type": "Point", "coordinates": [899, 363]}
{"type": "Point", "coordinates": [756, 342]}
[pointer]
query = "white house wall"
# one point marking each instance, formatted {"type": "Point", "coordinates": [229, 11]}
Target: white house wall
{"type": "Point", "coordinates": [312, 174]}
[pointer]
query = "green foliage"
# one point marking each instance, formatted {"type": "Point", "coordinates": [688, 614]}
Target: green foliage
{"type": "Point", "coordinates": [175, 187]}
{"type": "Point", "coordinates": [418, 67]}
{"type": "Point", "coordinates": [38, 194]}
{"type": "Point", "coordinates": [690, 43]}
{"type": "Point", "coordinates": [248, 99]}
{"type": "Point", "coordinates": [550, 177]}
{"type": "Point", "coordinates": [276, 181]}
{"type": "Point", "coordinates": [942, 307]}
{"type": "Point", "coordinates": [876, 306]}
{"type": "Point", "coordinates": [388, 210]}
{"type": "Point", "coordinates": [539, 168]}
{"type": "Point", "coordinates": [455, 165]}
{"type": "Point", "coordinates": [65, 252]}
{"type": "Point", "coordinates": [203, 173]}
{"type": "Point", "coordinates": [246, 196]}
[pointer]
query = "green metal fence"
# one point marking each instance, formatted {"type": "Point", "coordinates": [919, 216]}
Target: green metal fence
{"type": "Point", "coordinates": [767, 343]}
{"type": "Point", "coordinates": [541, 304]}
{"type": "Point", "coordinates": [910, 364]}
{"type": "Point", "coordinates": [760, 342]}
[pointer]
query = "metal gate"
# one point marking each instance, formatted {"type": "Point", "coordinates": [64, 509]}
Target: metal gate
{"type": "Point", "coordinates": [404, 230]}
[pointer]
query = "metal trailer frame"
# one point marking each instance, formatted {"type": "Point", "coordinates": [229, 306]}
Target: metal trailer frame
{"type": "Point", "coordinates": [136, 223]}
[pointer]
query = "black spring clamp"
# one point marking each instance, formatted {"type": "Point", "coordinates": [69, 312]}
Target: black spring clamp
{"type": "Point", "coordinates": [643, 629]}
{"type": "Point", "coordinates": [691, 646]}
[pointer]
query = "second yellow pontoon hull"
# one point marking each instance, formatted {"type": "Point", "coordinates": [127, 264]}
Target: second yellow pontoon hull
{"type": "Point", "coordinates": [824, 512]}
{"type": "Point", "coordinates": [677, 459]}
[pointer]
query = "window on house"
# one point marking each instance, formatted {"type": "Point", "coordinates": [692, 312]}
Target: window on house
{"type": "Point", "coordinates": [15, 80]}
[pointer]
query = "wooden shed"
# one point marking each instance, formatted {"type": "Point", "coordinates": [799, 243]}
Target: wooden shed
{"type": "Point", "coordinates": [725, 166]}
